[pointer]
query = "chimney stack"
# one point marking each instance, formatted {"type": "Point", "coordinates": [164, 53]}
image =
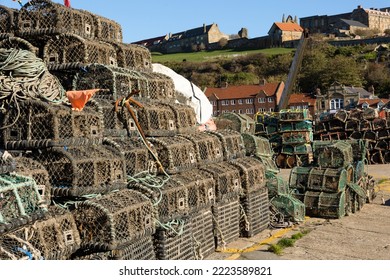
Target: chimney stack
{"type": "Point", "coordinates": [204, 28]}
{"type": "Point", "coordinates": [359, 7]}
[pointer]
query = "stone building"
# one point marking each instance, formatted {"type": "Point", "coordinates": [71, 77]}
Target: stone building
{"type": "Point", "coordinates": [245, 99]}
{"type": "Point", "coordinates": [373, 18]}
{"type": "Point", "coordinates": [285, 33]}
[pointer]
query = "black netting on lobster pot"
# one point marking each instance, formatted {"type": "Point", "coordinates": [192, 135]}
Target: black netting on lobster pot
{"type": "Point", "coordinates": [135, 152]}
{"type": "Point", "coordinates": [208, 147]}
{"type": "Point", "coordinates": [114, 220]}
{"type": "Point", "coordinates": [37, 124]}
{"type": "Point", "coordinates": [378, 124]}
{"type": "Point", "coordinates": [18, 43]}
{"type": "Point", "coordinates": [82, 170]}
{"type": "Point", "coordinates": [232, 143]}
{"type": "Point", "coordinates": [134, 57]}
{"type": "Point", "coordinates": [69, 49]}
{"type": "Point", "coordinates": [32, 168]}
{"type": "Point", "coordinates": [40, 17]}
{"type": "Point", "coordinates": [175, 153]}
{"type": "Point", "coordinates": [7, 16]}
{"type": "Point", "coordinates": [54, 238]}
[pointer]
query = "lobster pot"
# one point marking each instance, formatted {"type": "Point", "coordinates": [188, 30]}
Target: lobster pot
{"type": "Point", "coordinates": [114, 220]}
{"type": "Point", "coordinates": [134, 57]}
{"type": "Point", "coordinates": [296, 126]}
{"type": "Point", "coordinates": [39, 124]}
{"type": "Point", "coordinates": [269, 164]}
{"type": "Point", "coordinates": [39, 17]}
{"type": "Point", "coordinates": [17, 43]}
{"type": "Point", "coordinates": [378, 124]}
{"type": "Point", "coordinates": [255, 216]}
{"type": "Point", "coordinates": [382, 145]}
{"type": "Point", "coordinates": [256, 146]}
{"type": "Point", "coordinates": [7, 16]}
{"type": "Point", "coordinates": [232, 143]}
{"type": "Point", "coordinates": [121, 82]}
{"type": "Point", "coordinates": [377, 157]}
{"type": "Point", "coordinates": [136, 155]}
{"type": "Point", "coordinates": [299, 178]}
{"type": "Point", "coordinates": [208, 147]}
{"type": "Point", "coordinates": [297, 137]}
{"type": "Point", "coordinates": [252, 173]}
{"type": "Point", "coordinates": [365, 125]}
{"type": "Point", "coordinates": [20, 202]}
{"type": "Point", "coordinates": [352, 125]}
{"type": "Point", "coordinates": [200, 187]}
{"type": "Point", "coordinates": [290, 207]}
{"type": "Point", "coordinates": [275, 185]}
{"type": "Point", "coordinates": [66, 50]}
{"type": "Point", "coordinates": [384, 134]}
{"type": "Point", "coordinates": [341, 115]}
{"type": "Point", "coordinates": [370, 136]}
{"type": "Point", "coordinates": [32, 168]}
{"type": "Point", "coordinates": [320, 127]}
{"type": "Point", "coordinates": [107, 29]}
{"type": "Point", "coordinates": [202, 233]}
{"type": "Point", "coordinates": [185, 117]}
{"type": "Point", "coordinates": [173, 240]}
{"type": "Point", "coordinates": [260, 129]}
{"type": "Point", "coordinates": [327, 180]}
{"type": "Point", "coordinates": [7, 163]}
{"type": "Point", "coordinates": [226, 220]}
{"type": "Point", "coordinates": [82, 170]}
{"type": "Point", "coordinates": [335, 155]}
{"type": "Point", "coordinates": [175, 153]}
{"type": "Point", "coordinates": [238, 122]}
{"type": "Point", "coordinates": [370, 113]}
{"type": "Point", "coordinates": [227, 180]}
{"type": "Point", "coordinates": [338, 135]}
{"type": "Point", "coordinates": [138, 249]}
{"type": "Point", "coordinates": [325, 205]}
{"type": "Point", "coordinates": [356, 114]}
{"type": "Point", "coordinates": [54, 238]}
{"type": "Point", "coordinates": [297, 149]}
{"type": "Point", "coordinates": [271, 129]}
{"type": "Point", "coordinates": [294, 115]}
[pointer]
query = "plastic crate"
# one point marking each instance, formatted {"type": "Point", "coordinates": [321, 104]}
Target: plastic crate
{"type": "Point", "coordinates": [114, 220]}
{"type": "Point", "coordinates": [232, 143]}
{"type": "Point", "coordinates": [82, 170]}
{"type": "Point", "coordinates": [39, 124]}
{"type": "Point", "coordinates": [325, 205]}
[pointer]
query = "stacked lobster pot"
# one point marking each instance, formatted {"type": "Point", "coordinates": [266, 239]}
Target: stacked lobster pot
{"type": "Point", "coordinates": [295, 127]}
{"type": "Point", "coordinates": [238, 122]}
{"type": "Point", "coordinates": [328, 188]}
{"type": "Point", "coordinates": [267, 125]}
{"type": "Point", "coordinates": [358, 124]}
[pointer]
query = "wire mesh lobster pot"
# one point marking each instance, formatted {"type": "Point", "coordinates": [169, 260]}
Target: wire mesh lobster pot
{"type": "Point", "coordinates": [7, 16]}
{"type": "Point", "coordinates": [200, 187]}
{"type": "Point", "coordinates": [185, 117]}
{"type": "Point", "coordinates": [174, 242]}
{"type": "Point", "coordinates": [208, 147]}
{"type": "Point", "coordinates": [237, 122]}
{"type": "Point", "coordinates": [370, 113]}
{"type": "Point", "coordinates": [83, 170]}
{"type": "Point", "coordinates": [255, 216]}
{"type": "Point", "coordinates": [121, 82]}
{"type": "Point", "coordinates": [252, 173]}
{"type": "Point", "coordinates": [175, 153]}
{"type": "Point", "coordinates": [382, 145]}
{"type": "Point", "coordinates": [202, 233]}
{"type": "Point", "coordinates": [114, 220]}
{"type": "Point", "coordinates": [226, 218]}
{"type": "Point", "coordinates": [383, 134]}
{"type": "Point", "coordinates": [232, 143]}
{"type": "Point", "coordinates": [54, 238]}
{"type": "Point", "coordinates": [352, 125]}
{"type": "Point", "coordinates": [338, 135]}
{"type": "Point", "coordinates": [275, 185]}
{"type": "Point", "coordinates": [335, 125]}
{"type": "Point", "coordinates": [377, 157]}
{"type": "Point", "coordinates": [132, 56]}
{"type": "Point", "coordinates": [297, 137]}
{"type": "Point", "coordinates": [327, 180]}
{"type": "Point", "coordinates": [325, 205]}
{"type": "Point", "coordinates": [32, 168]}
{"type": "Point", "coordinates": [256, 146]}
{"type": "Point", "coordinates": [378, 124]}
{"type": "Point", "coordinates": [269, 164]}
{"type": "Point", "coordinates": [297, 149]}
{"type": "Point", "coordinates": [39, 124]}
{"type": "Point", "coordinates": [365, 125]}
{"type": "Point", "coordinates": [370, 136]}
{"type": "Point", "coordinates": [39, 17]}
{"type": "Point", "coordinates": [341, 115]}
{"type": "Point", "coordinates": [320, 127]}
{"type": "Point", "coordinates": [17, 43]}
{"type": "Point", "coordinates": [107, 29]}
{"type": "Point", "coordinates": [67, 50]}
{"type": "Point", "coordinates": [299, 178]}
{"type": "Point", "coordinates": [7, 162]}
{"type": "Point", "coordinates": [227, 180]}
{"type": "Point", "coordinates": [138, 249]}
{"type": "Point", "coordinates": [20, 202]}
{"type": "Point", "coordinates": [296, 126]}
{"type": "Point", "coordinates": [335, 155]}
{"type": "Point", "coordinates": [356, 114]}
{"type": "Point", "coordinates": [136, 155]}
{"type": "Point", "coordinates": [294, 115]}
{"type": "Point", "coordinates": [290, 207]}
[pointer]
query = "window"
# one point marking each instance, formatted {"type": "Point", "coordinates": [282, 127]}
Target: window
{"type": "Point", "coordinates": [239, 101]}
{"type": "Point", "coordinates": [233, 111]}
{"type": "Point", "coordinates": [249, 111]}
{"type": "Point", "coordinates": [322, 104]}
{"type": "Point", "coordinates": [270, 99]}
{"type": "Point", "coordinates": [214, 103]}
{"type": "Point", "coordinates": [233, 102]}
{"type": "Point", "coordinates": [261, 100]}
{"type": "Point", "coordinates": [225, 102]}
{"type": "Point", "coordinates": [249, 101]}
{"type": "Point", "coordinates": [240, 111]}
{"type": "Point", "coordinates": [365, 106]}
{"type": "Point", "coordinates": [261, 109]}
{"type": "Point", "coordinates": [292, 107]}
{"type": "Point", "coordinates": [271, 109]}
{"type": "Point", "coordinates": [336, 104]}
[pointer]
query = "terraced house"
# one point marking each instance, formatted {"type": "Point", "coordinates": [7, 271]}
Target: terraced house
{"type": "Point", "coordinates": [245, 99]}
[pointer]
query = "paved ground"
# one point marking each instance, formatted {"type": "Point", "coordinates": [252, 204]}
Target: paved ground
{"type": "Point", "coordinates": [364, 235]}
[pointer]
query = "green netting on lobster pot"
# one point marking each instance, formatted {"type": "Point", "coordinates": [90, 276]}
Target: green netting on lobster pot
{"type": "Point", "coordinates": [276, 185]}
{"type": "Point", "coordinates": [297, 137]}
{"type": "Point", "coordinates": [327, 180]}
{"type": "Point", "coordinates": [294, 115]}
{"type": "Point", "coordinates": [238, 122]}
{"type": "Point", "coordinates": [269, 164]}
{"type": "Point", "coordinates": [336, 155]}
{"type": "Point", "coordinates": [325, 205]}
{"type": "Point", "coordinates": [290, 207]}
{"type": "Point", "coordinates": [299, 178]}
{"type": "Point", "coordinates": [256, 146]}
{"type": "Point", "coordinates": [20, 201]}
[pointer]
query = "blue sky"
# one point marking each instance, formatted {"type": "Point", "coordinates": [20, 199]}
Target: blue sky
{"type": "Point", "coordinates": [143, 19]}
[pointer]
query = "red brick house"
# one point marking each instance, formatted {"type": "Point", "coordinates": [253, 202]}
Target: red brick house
{"type": "Point", "coordinates": [245, 99]}
{"type": "Point", "coordinates": [302, 101]}
{"type": "Point", "coordinates": [376, 103]}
